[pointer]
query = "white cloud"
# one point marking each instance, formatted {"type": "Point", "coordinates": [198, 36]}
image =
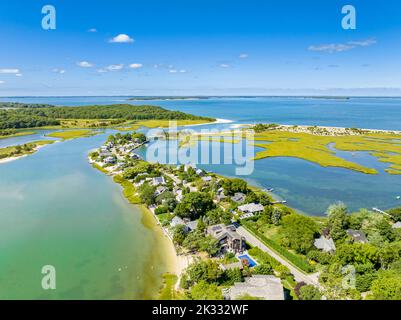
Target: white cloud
{"type": "Point", "coordinates": [18, 74]}
{"type": "Point", "coordinates": [122, 38]}
{"type": "Point", "coordinates": [183, 71]}
{"type": "Point", "coordinates": [224, 65]}
{"type": "Point", "coordinates": [243, 56]}
{"type": "Point", "coordinates": [2, 82]}
{"type": "Point", "coordinates": [341, 47]}
{"type": "Point", "coordinates": [364, 43]}
{"type": "Point", "coordinates": [84, 64]}
{"type": "Point", "coordinates": [92, 30]}
{"type": "Point", "coordinates": [9, 71]}
{"type": "Point", "coordinates": [114, 67]}
{"type": "Point", "coordinates": [135, 65]}
{"type": "Point", "coordinates": [173, 71]}
{"type": "Point", "coordinates": [101, 70]}
{"type": "Point", "coordinates": [57, 70]}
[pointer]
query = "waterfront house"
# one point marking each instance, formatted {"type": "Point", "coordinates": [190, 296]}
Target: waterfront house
{"type": "Point", "coordinates": [228, 238]}
{"type": "Point", "coordinates": [207, 179]}
{"type": "Point", "coordinates": [266, 287]}
{"type": "Point", "coordinates": [397, 225]}
{"type": "Point", "coordinates": [110, 160]}
{"type": "Point", "coordinates": [325, 244]}
{"type": "Point", "coordinates": [357, 236]}
{"type": "Point", "coordinates": [252, 208]}
{"type": "Point", "coordinates": [200, 172]}
{"type": "Point", "coordinates": [238, 197]}
{"type": "Point", "coordinates": [177, 221]}
{"type": "Point", "coordinates": [158, 181]}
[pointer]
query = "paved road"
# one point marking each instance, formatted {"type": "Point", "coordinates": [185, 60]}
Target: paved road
{"type": "Point", "coordinates": [299, 276]}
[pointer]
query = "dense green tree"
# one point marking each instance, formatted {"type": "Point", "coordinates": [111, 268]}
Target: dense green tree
{"type": "Point", "coordinates": [338, 220]}
{"type": "Point", "coordinates": [231, 276]}
{"type": "Point", "coordinates": [138, 168]}
{"type": "Point", "coordinates": [356, 253]}
{"type": "Point", "coordinates": [30, 116]}
{"type": "Point", "coordinates": [387, 286]}
{"type": "Point", "coordinates": [206, 270]}
{"type": "Point", "coordinates": [363, 282]}
{"type": "Point", "coordinates": [263, 269]}
{"type": "Point", "coordinates": [299, 232]}
{"type": "Point", "coordinates": [395, 214]}
{"type": "Point", "coordinates": [179, 234]}
{"type": "Point", "coordinates": [251, 197]}
{"type": "Point", "coordinates": [205, 291]}
{"type": "Point", "coordinates": [167, 199]}
{"type": "Point", "coordinates": [217, 216]}
{"type": "Point", "coordinates": [194, 205]}
{"type": "Point", "coordinates": [231, 186]}
{"type": "Point", "coordinates": [309, 292]}
{"type": "Point", "coordinates": [147, 194]}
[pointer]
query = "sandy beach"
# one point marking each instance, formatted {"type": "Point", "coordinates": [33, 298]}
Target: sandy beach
{"type": "Point", "coordinates": [10, 159]}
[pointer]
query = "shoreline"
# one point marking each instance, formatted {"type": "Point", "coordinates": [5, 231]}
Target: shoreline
{"type": "Point", "coordinates": [11, 159]}
{"type": "Point", "coordinates": [330, 129]}
{"type": "Point", "coordinates": [176, 261]}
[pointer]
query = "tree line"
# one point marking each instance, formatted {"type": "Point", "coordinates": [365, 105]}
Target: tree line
{"type": "Point", "coordinates": [32, 115]}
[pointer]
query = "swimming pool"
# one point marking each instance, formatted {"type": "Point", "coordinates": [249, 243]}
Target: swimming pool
{"type": "Point", "coordinates": [251, 262]}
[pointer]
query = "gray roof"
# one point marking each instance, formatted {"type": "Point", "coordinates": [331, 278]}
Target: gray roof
{"type": "Point", "coordinates": [266, 287]}
{"type": "Point", "coordinates": [251, 207]}
{"type": "Point", "coordinates": [221, 231]}
{"type": "Point", "coordinates": [325, 244]}
{"type": "Point", "coordinates": [357, 235]}
{"type": "Point", "coordinates": [176, 221]}
{"type": "Point", "coordinates": [192, 225]}
{"type": "Point", "coordinates": [397, 225]}
{"type": "Point", "coordinates": [238, 197]}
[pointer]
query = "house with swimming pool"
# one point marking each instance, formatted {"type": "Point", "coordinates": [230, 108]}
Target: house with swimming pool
{"type": "Point", "coordinates": [228, 238]}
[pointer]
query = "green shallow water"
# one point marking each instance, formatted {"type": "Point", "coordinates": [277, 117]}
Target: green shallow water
{"type": "Point", "coordinates": [55, 209]}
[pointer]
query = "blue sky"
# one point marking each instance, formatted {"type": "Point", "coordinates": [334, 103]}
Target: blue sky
{"type": "Point", "coordinates": [203, 47]}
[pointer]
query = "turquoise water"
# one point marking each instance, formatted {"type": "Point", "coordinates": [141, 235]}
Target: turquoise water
{"type": "Point", "coordinates": [55, 209]}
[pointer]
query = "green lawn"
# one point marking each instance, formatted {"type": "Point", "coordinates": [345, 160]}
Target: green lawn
{"type": "Point", "coordinates": [296, 260]}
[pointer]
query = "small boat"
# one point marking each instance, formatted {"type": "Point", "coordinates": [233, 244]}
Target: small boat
{"type": "Point", "coordinates": [398, 197]}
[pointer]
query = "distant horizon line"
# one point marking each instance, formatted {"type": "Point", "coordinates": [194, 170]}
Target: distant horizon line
{"type": "Point", "coordinates": [201, 96]}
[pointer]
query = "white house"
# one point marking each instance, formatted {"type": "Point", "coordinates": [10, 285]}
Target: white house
{"type": "Point", "coordinates": [251, 208]}
{"type": "Point", "coordinates": [325, 244]}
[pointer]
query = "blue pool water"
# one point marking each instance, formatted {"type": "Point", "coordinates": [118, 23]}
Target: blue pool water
{"type": "Point", "coordinates": [249, 259]}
